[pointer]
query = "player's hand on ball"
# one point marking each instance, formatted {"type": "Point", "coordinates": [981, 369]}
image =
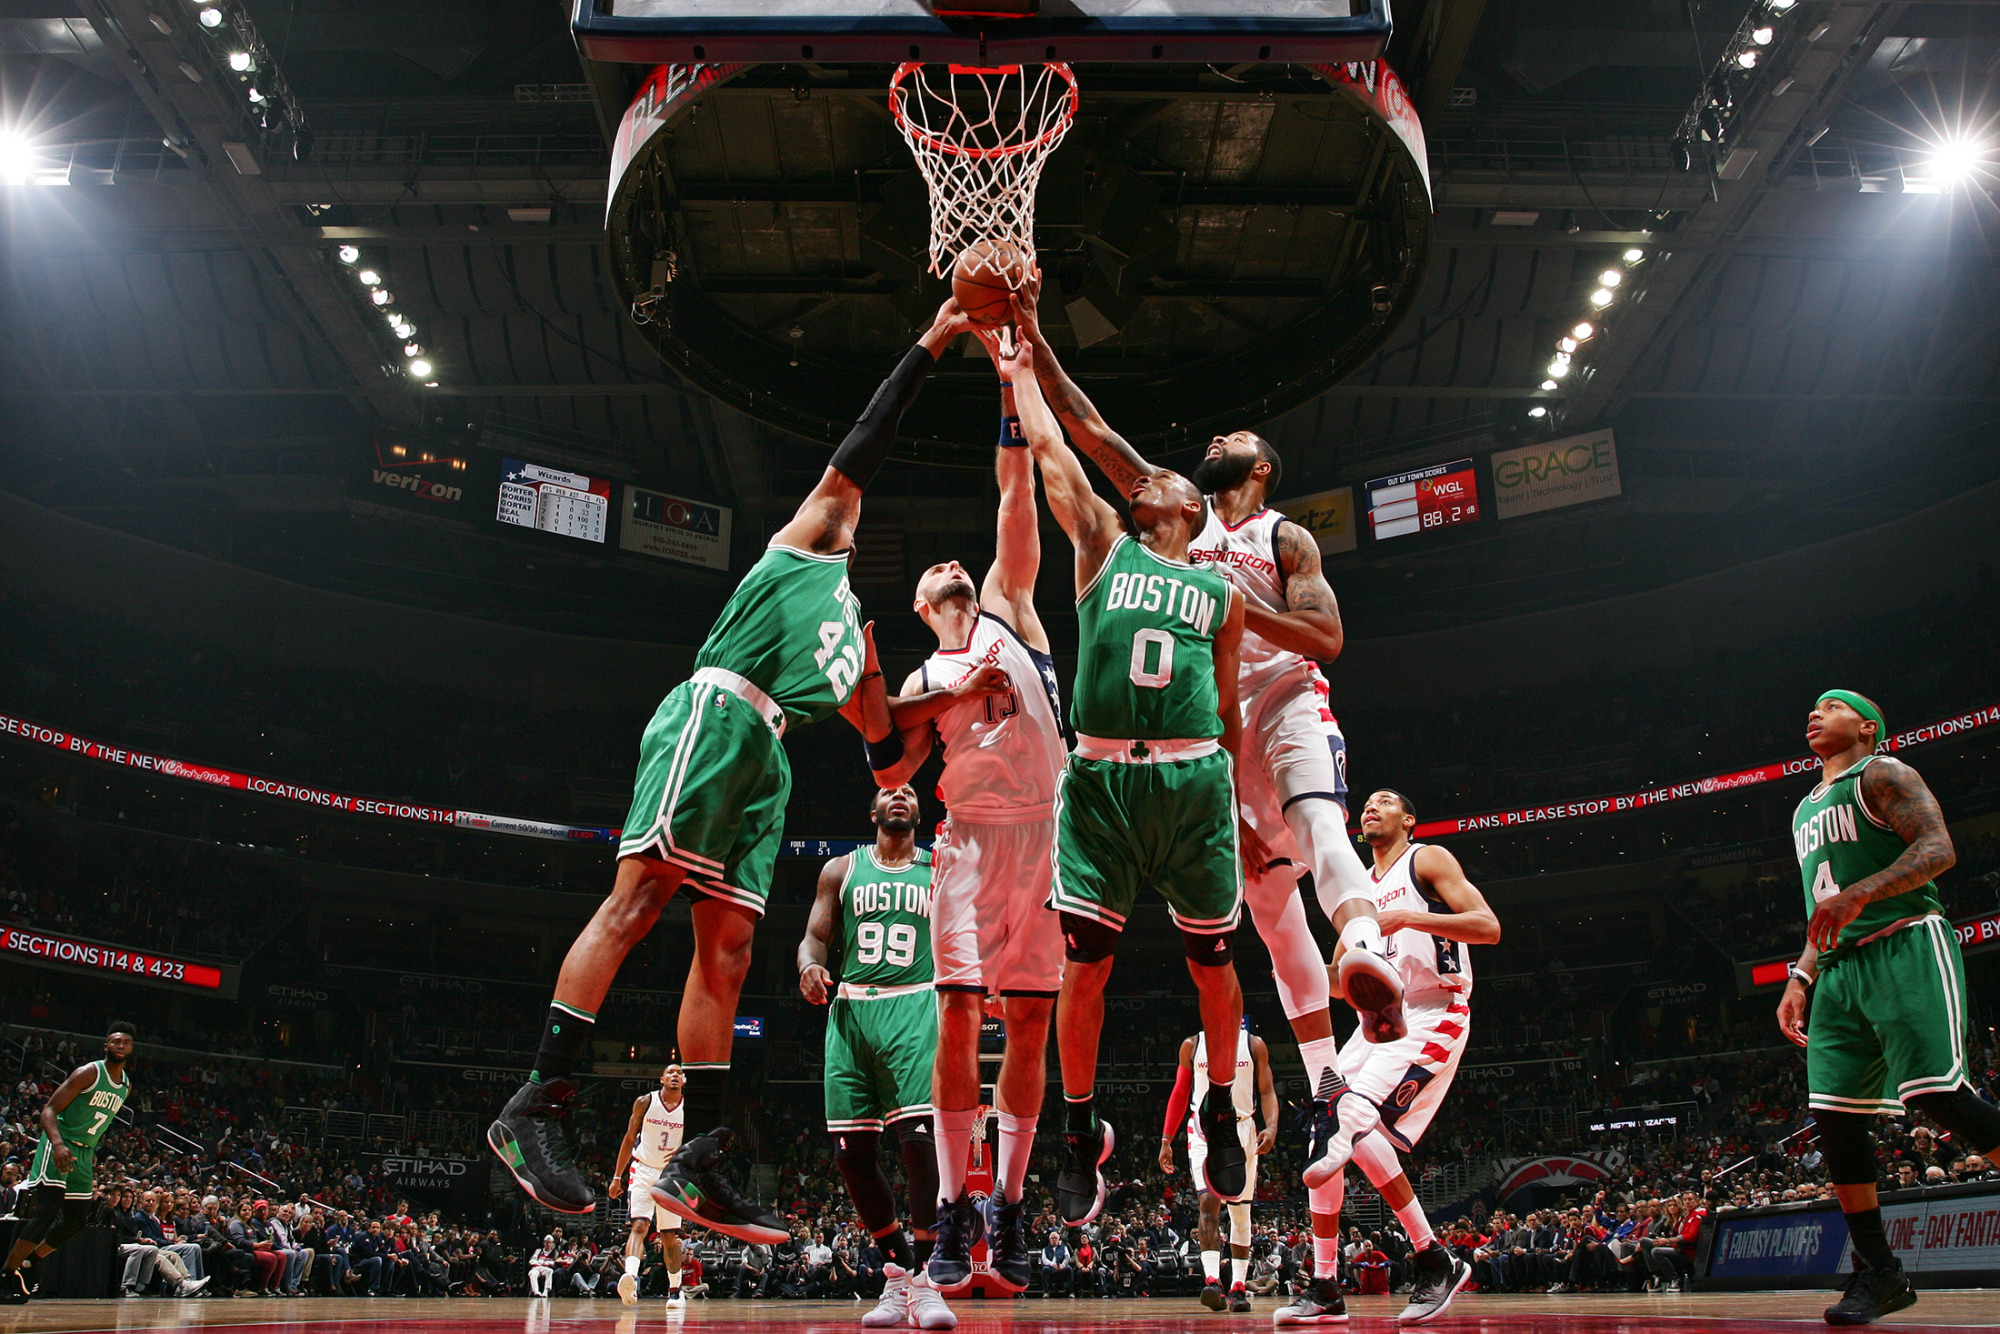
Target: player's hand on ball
{"type": "Point", "coordinates": [1831, 917]}
{"type": "Point", "coordinates": [951, 319]}
{"type": "Point", "coordinates": [813, 983]}
{"type": "Point", "coordinates": [1792, 1013]}
{"type": "Point", "coordinates": [1167, 1156]}
{"type": "Point", "coordinates": [984, 681]}
{"type": "Point", "coordinates": [615, 1187]}
{"type": "Point", "coordinates": [1027, 300]}
{"type": "Point", "coordinates": [1266, 1138]}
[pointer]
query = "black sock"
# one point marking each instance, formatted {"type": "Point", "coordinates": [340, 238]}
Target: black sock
{"type": "Point", "coordinates": [707, 1082]}
{"type": "Point", "coordinates": [564, 1034]}
{"type": "Point", "coordinates": [1220, 1103]}
{"type": "Point", "coordinates": [895, 1244]}
{"type": "Point", "coordinates": [924, 1247]}
{"type": "Point", "coordinates": [1082, 1113]}
{"type": "Point", "coordinates": [1871, 1243]}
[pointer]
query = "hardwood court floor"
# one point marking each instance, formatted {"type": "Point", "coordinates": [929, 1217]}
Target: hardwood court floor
{"type": "Point", "coordinates": [1738, 1313]}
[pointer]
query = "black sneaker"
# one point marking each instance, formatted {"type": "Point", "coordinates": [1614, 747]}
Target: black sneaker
{"type": "Point", "coordinates": [1211, 1296]}
{"type": "Point", "coordinates": [13, 1289]}
{"type": "Point", "coordinates": [1872, 1294]}
{"type": "Point", "coordinates": [1439, 1276]}
{"type": "Point", "coordinates": [1239, 1299]}
{"type": "Point", "coordinates": [694, 1186]}
{"type": "Point", "coordinates": [1007, 1244]}
{"type": "Point", "coordinates": [959, 1228]}
{"type": "Point", "coordinates": [532, 1138]}
{"type": "Point", "coordinates": [1331, 1145]}
{"type": "Point", "coordinates": [1226, 1173]}
{"type": "Point", "coordinates": [1319, 1304]}
{"type": "Point", "coordinates": [1080, 1188]}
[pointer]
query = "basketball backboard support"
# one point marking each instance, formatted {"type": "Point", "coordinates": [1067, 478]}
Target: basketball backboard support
{"type": "Point", "coordinates": [873, 31]}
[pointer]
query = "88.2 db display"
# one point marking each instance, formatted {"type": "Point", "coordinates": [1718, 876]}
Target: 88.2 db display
{"type": "Point", "coordinates": [1413, 502]}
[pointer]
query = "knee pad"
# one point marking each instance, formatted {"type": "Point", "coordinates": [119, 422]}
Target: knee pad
{"type": "Point", "coordinates": [1239, 1224]}
{"type": "Point", "coordinates": [1845, 1145]}
{"type": "Point", "coordinates": [1974, 1123]}
{"type": "Point", "coordinates": [1209, 951]}
{"type": "Point", "coordinates": [1087, 940]}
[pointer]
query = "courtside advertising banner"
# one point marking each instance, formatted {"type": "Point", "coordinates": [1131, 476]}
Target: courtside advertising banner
{"type": "Point", "coordinates": [1328, 516]}
{"type": "Point", "coordinates": [1572, 471]}
{"type": "Point", "coordinates": [1949, 1230]}
{"type": "Point", "coordinates": [675, 528]}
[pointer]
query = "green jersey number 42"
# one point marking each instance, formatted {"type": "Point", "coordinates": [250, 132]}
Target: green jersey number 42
{"type": "Point", "coordinates": [841, 662]}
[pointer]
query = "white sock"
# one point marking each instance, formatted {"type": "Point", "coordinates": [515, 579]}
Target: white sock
{"type": "Point", "coordinates": [1362, 932]}
{"type": "Point", "coordinates": [1211, 1266]}
{"type": "Point", "coordinates": [1017, 1146]}
{"type": "Point", "coordinates": [632, 1265]}
{"type": "Point", "coordinates": [1326, 1257]}
{"type": "Point", "coordinates": [1237, 1266]}
{"type": "Point", "coordinates": [1377, 1159]}
{"type": "Point", "coordinates": [954, 1147]}
{"type": "Point", "coordinates": [1319, 1054]}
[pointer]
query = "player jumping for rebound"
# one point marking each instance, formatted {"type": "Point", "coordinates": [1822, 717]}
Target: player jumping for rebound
{"type": "Point", "coordinates": [881, 1032]}
{"type": "Point", "coordinates": [1147, 795]}
{"type": "Point", "coordinates": [655, 1132]}
{"type": "Point", "coordinates": [1384, 1095]}
{"type": "Point", "coordinates": [993, 934]}
{"type": "Point", "coordinates": [708, 814]}
{"type": "Point", "coordinates": [1882, 977]}
{"type": "Point", "coordinates": [62, 1174]}
{"type": "Point", "coordinates": [1255, 1096]}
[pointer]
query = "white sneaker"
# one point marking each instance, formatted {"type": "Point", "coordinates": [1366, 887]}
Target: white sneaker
{"type": "Point", "coordinates": [628, 1289]}
{"type": "Point", "coordinates": [191, 1287]}
{"type": "Point", "coordinates": [893, 1311]}
{"type": "Point", "coordinates": [676, 1297]}
{"type": "Point", "coordinates": [927, 1308]}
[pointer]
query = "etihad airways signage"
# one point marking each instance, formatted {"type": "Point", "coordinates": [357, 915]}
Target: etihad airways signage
{"type": "Point", "coordinates": [1555, 473]}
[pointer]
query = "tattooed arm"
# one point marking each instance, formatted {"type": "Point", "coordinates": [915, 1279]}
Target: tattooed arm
{"type": "Point", "coordinates": [1896, 795]}
{"type": "Point", "coordinates": [1110, 451]}
{"type": "Point", "coordinates": [1310, 624]}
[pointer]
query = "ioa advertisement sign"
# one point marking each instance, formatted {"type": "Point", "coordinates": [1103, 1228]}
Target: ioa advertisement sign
{"type": "Point", "coordinates": [1555, 473]}
{"type": "Point", "coordinates": [675, 528]}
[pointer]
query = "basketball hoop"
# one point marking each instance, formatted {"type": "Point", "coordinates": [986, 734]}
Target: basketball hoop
{"type": "Point", "coordinates": [980, 137]}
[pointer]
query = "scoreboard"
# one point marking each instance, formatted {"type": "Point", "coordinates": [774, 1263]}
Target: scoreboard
{"type": "Point", "coordinates": [552, 500]}
{"type": "Point", "coordinates": [1414, 502]}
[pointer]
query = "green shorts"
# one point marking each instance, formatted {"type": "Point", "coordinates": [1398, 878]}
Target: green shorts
{"type": "Point", "coordinates": [710, 794]}
{"type": "Point", "coordinates": [1120, 826]}
{"type": "Point", "coordinates": [77, 1183]}
{"type": "Point", "coordinates": [1888, 1022]}
{"type": "Point", "coordinates": [878, 1058]}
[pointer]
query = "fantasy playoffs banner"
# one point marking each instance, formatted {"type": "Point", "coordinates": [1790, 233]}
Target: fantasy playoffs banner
{"type": "Point", "coordinates": [1953, 1230]}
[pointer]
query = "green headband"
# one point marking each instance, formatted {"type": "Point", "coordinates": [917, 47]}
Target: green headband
{"type": "Point", "coordinates": [1864, 706]}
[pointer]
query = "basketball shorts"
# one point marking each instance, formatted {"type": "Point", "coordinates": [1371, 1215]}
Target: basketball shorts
{"type": "Point", "coordinates": [1171, 825]}
{"type": "Point", "coordinates": [639, 1199]}
{"type": "Point", "coordinates": [1888, 1022]}
{"type": "Point", "coordinates": [879, 1046]}
{"type": "Point", "coordinates": [1198, 1153]}
{"type": "Point", "coordinates": [991, 929]}
{"type": "Point", "coordinates": [1408, 1078]}
{"type": "Point", "coordinates": [710, 794]}
{"type": "Point", "coordinates": [76, 1183]}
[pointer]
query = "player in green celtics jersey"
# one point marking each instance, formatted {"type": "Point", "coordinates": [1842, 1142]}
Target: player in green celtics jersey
{"type": "Point", "coordinates": [1147, 796]}
{"type": "Point", "coordinates": [1881, 977]}
{"type": "Point", "coordinates": [62, 1175]}
{"type": "Point", "coordinates": [707, 817]}
{"type": "Point", "coordinates": [881, 1037]}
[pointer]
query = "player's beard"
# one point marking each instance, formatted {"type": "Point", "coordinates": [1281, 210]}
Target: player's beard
{"type": "Point", "coordinates": [956, 588]}
{"type": "Point", "coordinates": [896, 824]}
{"type": "Point", "coordinates": [1222, 473]}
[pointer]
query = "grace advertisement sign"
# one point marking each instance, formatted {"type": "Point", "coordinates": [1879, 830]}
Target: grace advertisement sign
{"type": "Point", "coordinates": [1555, 473]}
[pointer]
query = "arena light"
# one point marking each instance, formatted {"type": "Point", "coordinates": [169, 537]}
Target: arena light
{"type": "Point", "coordinates": [1747, 59]}
{"type": "Point", "coordinates": [1566, 345]}
{"type": "Point", "coordinates": [1538, 412]}
{"type": "Point", "coordinates": [381, 296]}
{"type": "Point", "coordinates": [17, 157]}
{"type": "Point", "coordinates": [1956, 160]}
{"type": "Point", "coordinates": [421, 369]}
{"type": "Point", "coordinates": [1558, 369]}
{"type": "Point", "coordinates": [1610, 278]}
{"type": "Point", "coordinates": [413, 349]}
{"type": "Point", "coordinates": [239, 61]}
{"type": "Point", "coordinates": [1548, 384]}
{"type": "Point", "coordinates": [1582, 333]}
{"type": "Point", "coordinates": [1762, 36]}
{"type": "Point", "coordinates": [255, 96]}
{"type": "Point", "coordinates": [348, 254]}
{"type": "Point", "coordinates": [210, 18]}
{"type": "Point", "coordinates": [1781, 6]}
{"type": "Point", "coordinates": [369, 276]}
{"type": "Point", "coordinates": [1601, 297]}
{"type": "Point", "coordinates": [1634, 255]}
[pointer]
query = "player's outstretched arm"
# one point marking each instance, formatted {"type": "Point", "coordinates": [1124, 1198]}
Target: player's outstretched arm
{"type": "Point", "coordinates": [915, 712]}
{"type": "Point", "coordinates": [616, 1186]}
{"type": "Point", "coordinates": [1110, 451]}
{"type": "Point", "coordinates": [1896, 795]}
{"type": "Point", "coordinates": [826, 518]}
{"type": "Point", "coordinates": [1178, 1103]}
{"type": "Point", "coordinates": [814, 979]}
{"type": "Point", "coordinates": [1471, 920]}
{"type": "Point", "coordinates": [1310, 623]}
{"type": "Point", "coordinates": [1009, 587]}
{"type": "Point", "coordinates": [1087, 517]}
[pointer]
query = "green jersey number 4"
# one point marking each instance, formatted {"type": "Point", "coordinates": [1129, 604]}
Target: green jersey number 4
{"type": "Point", "coordinates": [841, 662]}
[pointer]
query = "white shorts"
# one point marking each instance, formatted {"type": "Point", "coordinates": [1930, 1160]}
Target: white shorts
{"type": "Point", "coordinates": [1198, 1154]}
{"type": "Point", "coordinates": [1408, 1078]}
{"type": "Point", "coordinates": [639, 1199]}
{"type": "Point", "coordinates": [991, 928]}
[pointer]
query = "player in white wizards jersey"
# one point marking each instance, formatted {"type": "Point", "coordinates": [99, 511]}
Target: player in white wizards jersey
{"type": "Point", "coordinates": [1254, 1096]}
{"type": "Point", "coordinates": [1388, 1092]}
{"type": "Point", "coordinates": [652, 1135]}
{"type": "Point", "coordinates": [992, 933]}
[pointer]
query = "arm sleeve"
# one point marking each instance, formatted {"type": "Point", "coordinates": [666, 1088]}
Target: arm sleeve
{"type": "Point", "coordinates": [867, 445]}
{"type": "Point", "coordinates": [1177, 1103]}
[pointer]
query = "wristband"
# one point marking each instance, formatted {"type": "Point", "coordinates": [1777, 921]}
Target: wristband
{"type": "Point", "coordinates": [1010, 433]}
{"type": "Point", "coordinates": [884, 753]}
{"type": "Point", "coordinates": [1799, 974]}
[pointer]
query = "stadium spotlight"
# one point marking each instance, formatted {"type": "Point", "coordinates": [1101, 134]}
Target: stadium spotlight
{"type": "Point", "coordinates": [1601, 297]}
{"type": "Point", "coordinates": [1610, 278]}
{"type": "Point", "coordinates": [1634, 255]}
{"type": "Point", "coordinates": [369, 276]}
{"type": "Point", "coordinates": [1955, 160]}
{"type": "Point", "coordinates": [17, 158]}
{"type": "Point", "coordinates": [1566, 344]}
{"type": "Point", "coordinates": [1762, 36]}
{"type": "Point", "coordinates": [1538, 412]}
{"type": "Point", "coordinates": [210, 18]}
{"type": "Point", "coordinates": [1558, 369]}
{"type": "Point", "coordinates": [421, 369]}
{"type": "Point", "coordinates": [239, 61]}
{"type": "Point", "coordinates": [1747, 59]}
{"type": "Point", "coordinates": [381, 296]}
{"type": "Point", "coordinates": [413, 349]}
{"type": "Point", "coordinates": [255, 96]}
{"type": "Point", "coordinates": [1780, 6]}
{"type": "Point", "coordinates": [348, 254]}
{"type": "Point", "coordinates": [1548, 384]}
{"type": "Point", "coordinates": [1563, 358]}
{"type": "Point", "coordinates": [1582, 332]}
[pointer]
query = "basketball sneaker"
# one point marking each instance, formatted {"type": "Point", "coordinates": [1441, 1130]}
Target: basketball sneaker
{"type": "Point", "coordinates": [1871, 1294]}
{"type": "Point", "coordinates": [1439, 1276]}
{"type": "Point", "coordinates": [893, 1311]}
{"type": "Point", "coordinates": [1007, 1243]}
{"type": "Point", "coordinates": [1212, 1296]}
{"type": "Point", "coordinates": [1319, 1304]}
{"type": "Point", "coordinates": [927, 1308]}
{"type": "Point", "coordinates": [1226, 1169]}
{"type": "Point", "coordinates": [531, 1137]}
{"type": "Point", "coordinates": [959, 1228]}
{"type": "Point", "coordinates": [1332, 1144]}
{"type": "Point", "coordinates": [694, 1185]}
{"type": "Point", "coordinates": [628, 1289]}
{"type": "Point", "coordinates": [1375, 989]}
{"type": "Point", "coordinates": [1239, 1299]}
{"type": "Point", "coordinates": [677, 1298]}
{"type": "Point", "coordinates": [13, 1288]}
{"type": "Point", "coordinates": [1080, 1188]}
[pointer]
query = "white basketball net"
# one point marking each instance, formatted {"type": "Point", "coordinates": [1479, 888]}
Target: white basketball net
{"type": "Point", "coordinates": [980, 137]}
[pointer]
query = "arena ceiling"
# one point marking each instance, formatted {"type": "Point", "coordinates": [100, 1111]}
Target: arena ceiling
{"type": "Point", "coordinates": [1809, 344]}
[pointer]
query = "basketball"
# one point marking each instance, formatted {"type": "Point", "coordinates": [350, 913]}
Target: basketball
{"type": "Point", "coordinates": [986, 274]}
